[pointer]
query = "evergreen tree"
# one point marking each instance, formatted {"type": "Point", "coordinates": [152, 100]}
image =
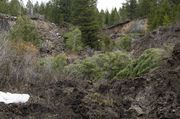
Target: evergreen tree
{"type": "Point", "coordinates": [177, 14]}
{"type": "Point", "coordinates": [132, 9]}
{"type": "Point", "coordinates": [29, 6]}
{"type": "Point", "coordinates": [123, 13]}
{"type": "Point", "coordinates": [36, 7]}
{"type": "Point", "coordinates": [102, 18]}
{"type": "Point", "coordinates": [144, 7]}
{"type": "Point", "coordinates": [84, 16]}
{"type": "Point", "coordinates": [107, 17]}
{"type": "Point", "coordinates": [160, 15]}
{"type": "Point", "coordinates": [3, 6]}
{"type": "Point", "coordinates": [114, 17]}
{"type": "Point", "coordinates": [15, 7]}
{"type": "Point", "coordinates": [65, 9]}
{"type": "Point", "coordinates": [42, 8]}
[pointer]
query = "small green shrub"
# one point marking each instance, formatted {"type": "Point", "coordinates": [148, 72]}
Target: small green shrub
{"type": "Point", "coordinates": [73, 40]}
{"type": "Point", "coordinates": [56, 63]}
{"type": "Point", "coordinates": [99, 66]}
{"type": "Point", "coordinates": [106, 43]}
{"type": "Point", "coordinates": [124, 43]}
{"type": "Point", "coordinates": [25, 30]}
{"type": "Point", "coordinates": [148, 61]}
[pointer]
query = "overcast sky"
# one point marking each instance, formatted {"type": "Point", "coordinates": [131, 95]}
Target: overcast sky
{"type": "Point", "coordinates": [102, 4]}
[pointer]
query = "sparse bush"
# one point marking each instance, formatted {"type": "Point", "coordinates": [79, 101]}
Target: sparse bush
{"type": "Point", "coordinates": [16, 64]}
{"type": "Point", "coordinates": [73, 40]}
{"type": "Point", "coordinates": [25, 30]}
{"type": "Point", "coordinates": [123, 43]}
{"type": "Point", "coordinates": [148, 61]}
{"type": "Point", "coordinates": [99, 66]}
{"type": "Point", "coordinates": [53, 63]}
{"type": "Point", "coordinates": [106, 43]}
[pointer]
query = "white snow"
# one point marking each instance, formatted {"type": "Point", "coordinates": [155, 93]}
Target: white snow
{"type": "Point", "coordinates": [9, 98]}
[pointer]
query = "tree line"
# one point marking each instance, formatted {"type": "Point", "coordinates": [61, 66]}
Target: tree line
{"type": "Point", "coordinates": [12, 7]}
{"type": "Point", "coordinates": [85, 15]}
{"type": "Point", "coordinates": [158, 12]}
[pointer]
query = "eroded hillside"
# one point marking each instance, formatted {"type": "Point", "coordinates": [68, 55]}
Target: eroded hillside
{"type": "Point", "coordinates": [155, 95]}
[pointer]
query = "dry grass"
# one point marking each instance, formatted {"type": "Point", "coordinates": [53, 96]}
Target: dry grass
{"type": "Point", "coordinates": [18, 66]}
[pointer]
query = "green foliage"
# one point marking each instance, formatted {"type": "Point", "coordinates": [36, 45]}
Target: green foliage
{"type": "Point", "coordinates": [84, 15]}
{"type": "Point", "coordinates": [123, 13]}
{"type": "Point", "coordinates": [107, 18]}
{"type": "Point", "coordinates": [3, 6]}
{"type": "Point", "coordinates": [99, 66]}
{"type": "Point", "coordinates": [177, 13]}
{"type": "Point", "coordinates": [166, 20]}
{"type": "Point", "coordinates": [123, 43]}
{"type": "Point", "coordinates": [132, 9]}
{"type": "Point", "coordinates": [114, 17]}
{"type": "Point", "coordinates": [106, 43]}
{"type": "Point", "coordinates": [56, 63]}
{"type": "Point", "coordinates": [162, 13]}
{"type": "Point", "coordinates": [58, 11]}
{"type": "Point", "coordinates": [73, 40]}
{"type": "Point", "coordinates": [15, 7]}
{"type": "Point", "coordinates": [29, 7]}
{"type": "Point", "coordinates": [25, 30]}
{"type": "Point", "coordinates": [11, 7]}
{"type": "Point", "coordinates": [148, 61]}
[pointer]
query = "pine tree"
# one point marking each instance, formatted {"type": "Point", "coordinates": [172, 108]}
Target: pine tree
{"type": "Point", "coordinates": [102, 18]}
{"type": "Point", "coordinates": [3, 6]}
{"type": "Point", "coordinates": [114, 17]}
{"type": "Point", "coordinates": [132, 9]}
{"type": "Point", "coordinates": [144, 7]}
{"type": "Point", "coordinates": [160, 14]}
{"type": "Point", "coordinates": [65, 9]}
{"type": "Point", "coordinates": [84, 16]}
{"type": "Point", "coordinates": [177, 14]}
{"type": "Point", "coordinates": [123, 13]}
{"type": "Point", "coordinates": [29, 6]}
{"type": "Point", "coordinates": [36, 7]}
{"type": "Point", "coordinates": [107, 17]}
{"type": "Point", "coordinates": [15, 7]}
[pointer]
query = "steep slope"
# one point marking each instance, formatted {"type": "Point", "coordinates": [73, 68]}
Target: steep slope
{"type": "Point", "coordinates": [155, 96]}
{"type": "Point", "coordinates": [53, 41]}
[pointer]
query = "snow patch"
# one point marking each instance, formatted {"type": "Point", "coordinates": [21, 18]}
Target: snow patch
{"type": "Point", "coordinates": [9, 98]}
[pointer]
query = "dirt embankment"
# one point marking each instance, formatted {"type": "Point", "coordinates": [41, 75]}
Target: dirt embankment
{"type": "Point", "coordinates": [52, 37]}
{"type": "Point", "coordinates": [155, 96]}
